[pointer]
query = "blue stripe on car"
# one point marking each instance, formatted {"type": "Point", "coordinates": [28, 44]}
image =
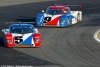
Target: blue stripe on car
{"type": "Point", "coordinates": [28, 40]}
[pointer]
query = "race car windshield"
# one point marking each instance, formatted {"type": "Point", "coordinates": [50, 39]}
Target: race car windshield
{"type": "Point", "coordinates": [54, 12]}
{"type": "Point", "coordinates": [21, 30]}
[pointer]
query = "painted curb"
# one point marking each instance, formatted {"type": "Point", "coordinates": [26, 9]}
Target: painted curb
{"type": "Point", "coordinates": [96, 35]}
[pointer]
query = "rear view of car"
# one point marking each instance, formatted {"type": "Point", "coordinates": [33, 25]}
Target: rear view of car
{"type": "Point", "coordinates": [21, 35]}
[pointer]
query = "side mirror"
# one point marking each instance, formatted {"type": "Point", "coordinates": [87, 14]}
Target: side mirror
{"type": "Point", "coordinates": [42, 11]}
{"type": "Point", "coordinates": [36, 30]}
{"type": "Point", "coordinates": [2, 30]}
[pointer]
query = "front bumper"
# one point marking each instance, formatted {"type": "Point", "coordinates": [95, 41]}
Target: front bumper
{"type": "Point", "coordinates": [23, 45]}
{"type": "Point", "coordinates": [49, 25]}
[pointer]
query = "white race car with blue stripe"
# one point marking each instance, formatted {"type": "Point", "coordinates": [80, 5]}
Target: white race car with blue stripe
{"type": "Point", "coordinates": [58, 15]}
{"type": "Point", "coordinates": [21, 35]}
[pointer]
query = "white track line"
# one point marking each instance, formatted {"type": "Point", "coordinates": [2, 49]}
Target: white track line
{"type": "Point", "coordinates": [96, 35]}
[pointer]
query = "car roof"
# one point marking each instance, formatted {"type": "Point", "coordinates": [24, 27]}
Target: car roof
{"type": "Point", "coordinates": [21, 25]}
{"type": "Point", "coordinates": [58, 7]}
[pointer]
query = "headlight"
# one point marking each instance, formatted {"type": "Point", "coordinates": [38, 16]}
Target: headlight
{"type": "Point", "coordinates": [37, 40]}
{"type": "Point", "coordinates": [62, 21]}
{"type": "Point", "coordinates": [9, 41]}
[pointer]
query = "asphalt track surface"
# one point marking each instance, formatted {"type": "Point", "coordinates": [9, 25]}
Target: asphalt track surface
{"type": "Point", "coordinates": [72, 46]}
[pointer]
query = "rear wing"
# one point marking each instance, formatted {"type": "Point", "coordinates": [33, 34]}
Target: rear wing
{"type": "Point", "coordinates": [80, 5]}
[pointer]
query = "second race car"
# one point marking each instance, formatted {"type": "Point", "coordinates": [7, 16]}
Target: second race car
{"type": "Point", "coordinates": [58, 15]}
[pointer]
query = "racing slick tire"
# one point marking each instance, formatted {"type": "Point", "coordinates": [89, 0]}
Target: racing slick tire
{"type": "Point", "coordinates": [78, 18]}
{"type": "Point", "coordinates": [68, 24]}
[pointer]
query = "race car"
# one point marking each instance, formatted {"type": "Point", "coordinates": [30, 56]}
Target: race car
{"type": "Point", "coordinates": [21, 35]}
{"type": "Point", "coordinates": [59, 15]}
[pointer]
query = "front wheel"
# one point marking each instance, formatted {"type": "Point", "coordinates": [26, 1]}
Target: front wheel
{"type": "Point", "coordinates": [68, 22]}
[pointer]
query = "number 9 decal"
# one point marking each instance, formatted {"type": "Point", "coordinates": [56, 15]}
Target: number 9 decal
{"type": "Point", "coordinates": [18, 39]}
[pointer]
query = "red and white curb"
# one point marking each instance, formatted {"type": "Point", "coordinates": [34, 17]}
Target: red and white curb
{"type": "Point", "coordinates": [96, 35]}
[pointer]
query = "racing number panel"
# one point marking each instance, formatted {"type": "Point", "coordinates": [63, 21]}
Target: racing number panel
{"type": "Point", "coordinates": [47, 19]}
{"type": "Point", "coordinates": [18, 39]}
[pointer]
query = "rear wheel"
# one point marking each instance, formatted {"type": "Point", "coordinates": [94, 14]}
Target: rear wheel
{"type": "Point", "coordinates": [78, 18]}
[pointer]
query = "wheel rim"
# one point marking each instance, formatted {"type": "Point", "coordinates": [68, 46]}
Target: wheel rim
{"type": "Point", "coordinates": [78, 19]}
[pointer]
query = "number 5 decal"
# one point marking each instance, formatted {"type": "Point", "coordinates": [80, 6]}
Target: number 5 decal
{"type": "Point", "coordinates": [18, 39]}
